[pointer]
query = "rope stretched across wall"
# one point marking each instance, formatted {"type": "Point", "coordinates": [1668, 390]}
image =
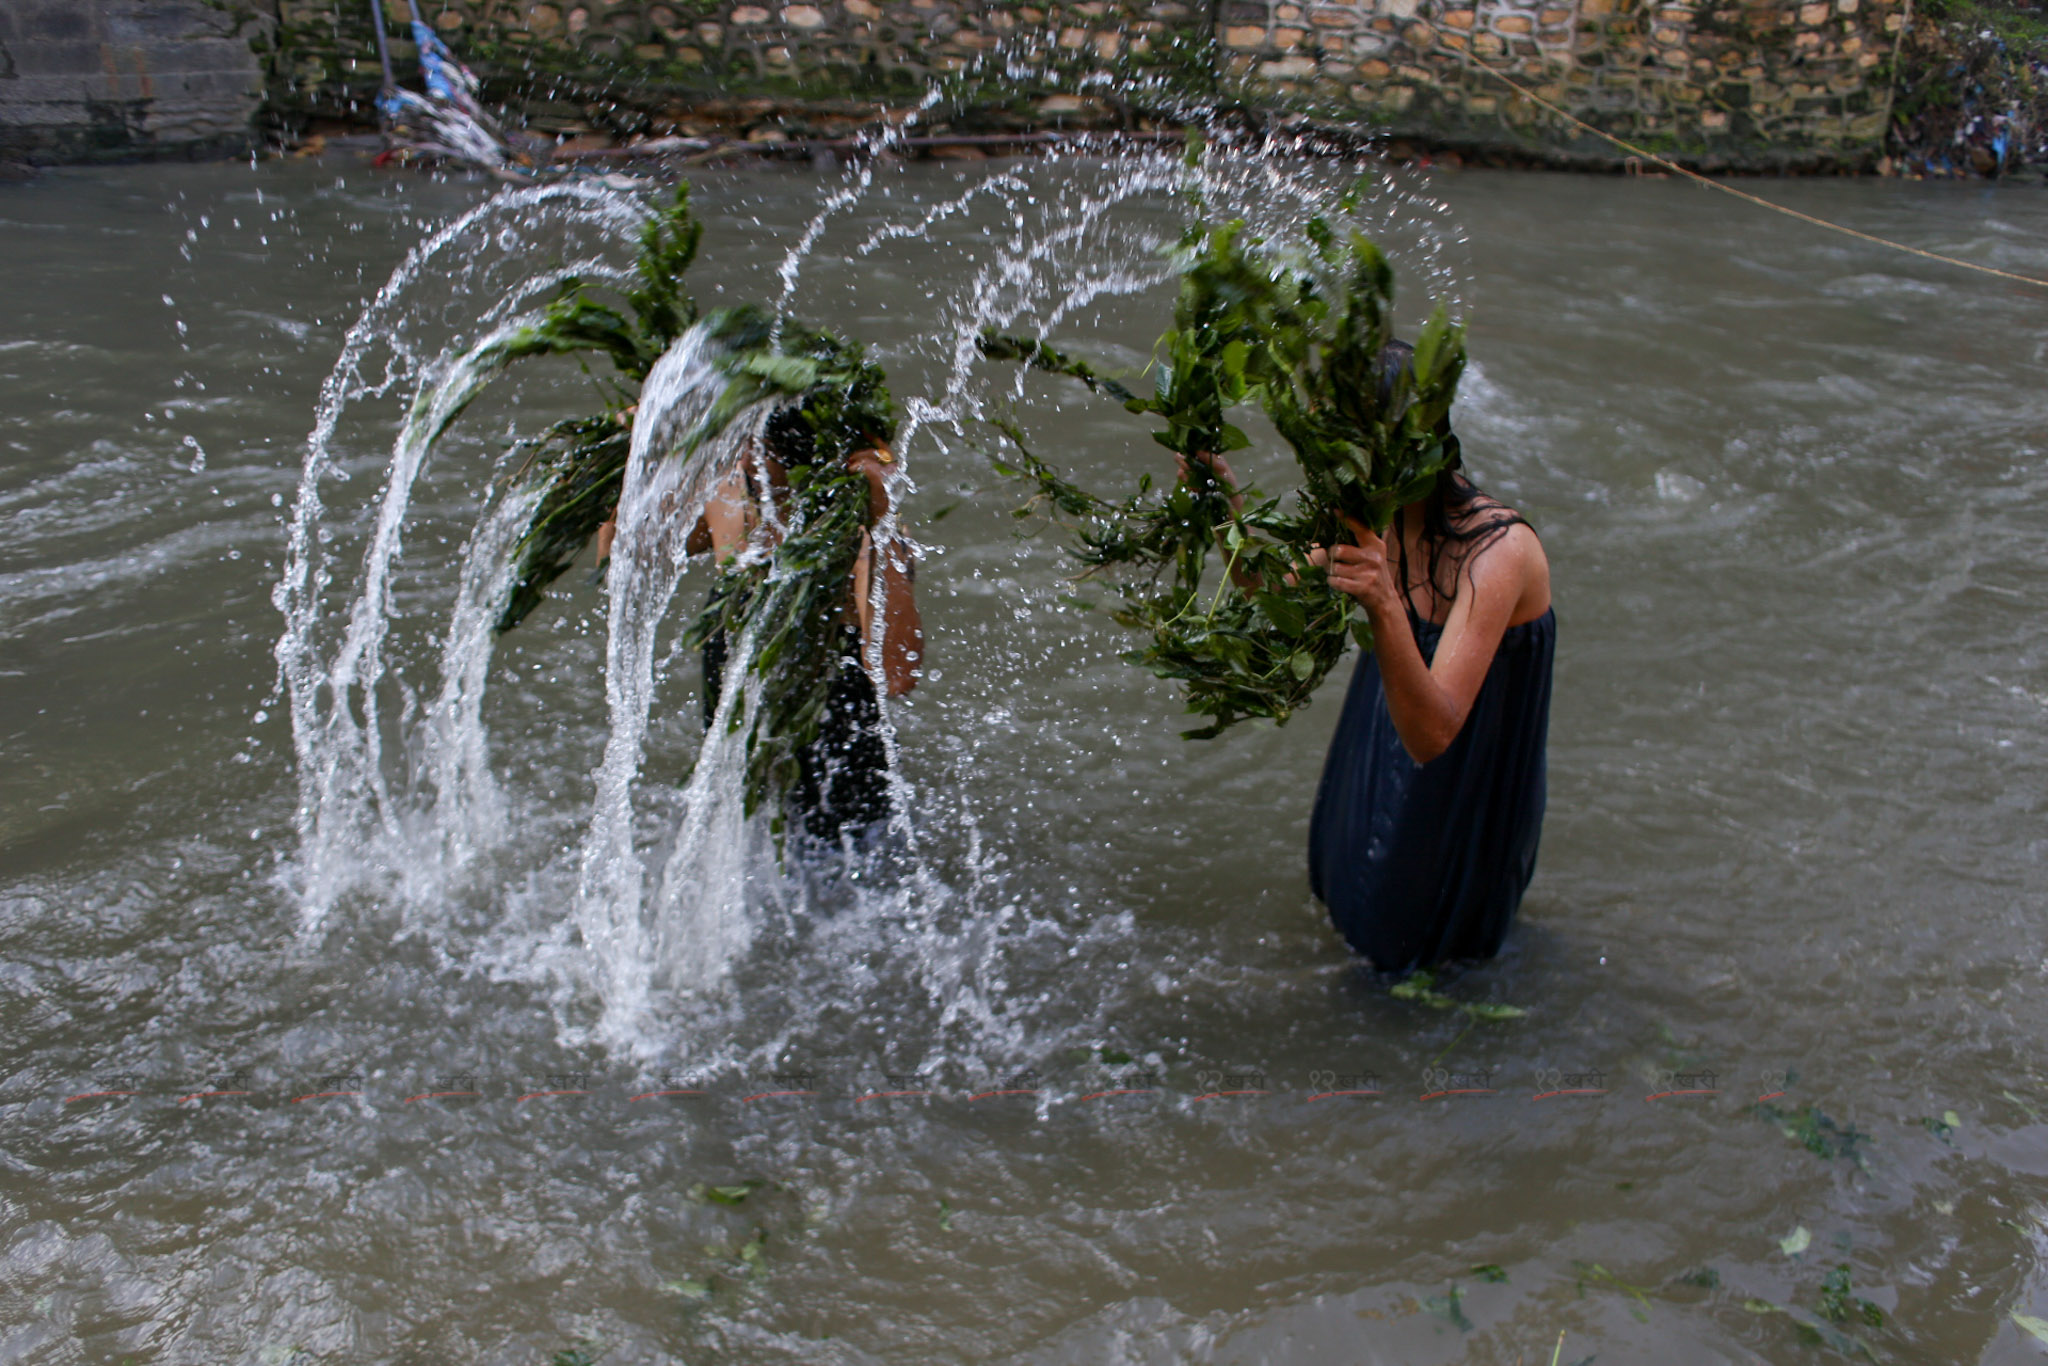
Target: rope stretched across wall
{"type": "Point", "coordinates": [1758, 200]}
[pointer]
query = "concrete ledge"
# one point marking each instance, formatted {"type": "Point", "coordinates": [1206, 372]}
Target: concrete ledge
{"type": "Point", "coordinates": [96, 80]}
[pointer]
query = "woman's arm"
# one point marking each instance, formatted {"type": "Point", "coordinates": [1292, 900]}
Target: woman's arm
{"type": "Point", "coordinates": [902, 628]}
{"type": "Point", "coordinates": [724, 526]}
{"type": "Point", "coordinates": [1429, 702]}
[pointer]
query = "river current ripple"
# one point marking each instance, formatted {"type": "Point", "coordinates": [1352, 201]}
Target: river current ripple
{"type": "Point", "coordinates": [1077, 1105]}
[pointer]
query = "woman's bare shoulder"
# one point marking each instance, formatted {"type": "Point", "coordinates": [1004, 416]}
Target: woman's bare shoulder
{"type": "Point", "coordinates": [1512, 563]}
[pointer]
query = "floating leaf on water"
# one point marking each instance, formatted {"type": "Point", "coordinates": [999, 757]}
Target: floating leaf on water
{"type": "Point", "coordinates": [1487, 1271]}
{"type": "Point", "coordinates": [1835, 1302]}
{"type": "Point", "coordinates": [945, 1216]}
{"type": "Point", "coordinates": [1756, 1306]}
{"type": "Point", "coordinates": [2027, 1323]}
{"type": "Point", "coordinates": [1815, 1132]}
{"type": "Point", "coordinates": [689, 1289]}
{"type": "Point", "coordinates": [728, 1195]}
{"type": "Point", "coordinates": [1420, 987]}
{"type": "Point", "coordinates": [1952, 1119]}
{"type": "Point", "coordinates": [1706, 1278]}
{"type": "Point", "coordinates": [1795, 1242]}
{"type": "Point", "coordinates": [1416, 986]}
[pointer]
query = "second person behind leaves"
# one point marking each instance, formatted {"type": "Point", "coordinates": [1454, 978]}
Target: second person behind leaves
{"type": "Point", "coordinates": [841, 791]}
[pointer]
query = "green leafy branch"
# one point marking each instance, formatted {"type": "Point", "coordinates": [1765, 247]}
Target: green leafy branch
{"type": "Point", "coordinates": [581, 463]}
{"type": "Point", "coordinates": [841, 403]}
{"type": "Point", "coordinates": [1304, 338]}
{"type": "Point", "coordinates": [790, 599]}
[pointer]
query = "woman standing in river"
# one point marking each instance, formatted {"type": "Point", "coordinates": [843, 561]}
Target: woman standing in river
{"type": "Point", "coordinates": [1431, 801]}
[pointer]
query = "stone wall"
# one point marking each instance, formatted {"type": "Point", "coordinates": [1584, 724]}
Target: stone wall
{"type": "Point", "coordinates": [1739, 83]}
{"type": "Point", "coordinates": [623, 66]}
{"type": "Point", "coordinates": [1719, 83]}
{"type": "Point", "coordinates": [114, 79]}
{"type": "Point", "coordinates": [1722, 83]}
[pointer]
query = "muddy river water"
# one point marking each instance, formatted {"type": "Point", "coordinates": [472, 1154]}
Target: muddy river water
{"type": "Point", "coordinates": [1099, 1083]}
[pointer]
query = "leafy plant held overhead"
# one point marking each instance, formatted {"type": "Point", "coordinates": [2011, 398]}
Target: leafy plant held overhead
{"type": "Point", "coordinates": [836, 402]}
{"type": "Point", "coordinates": [1304, 336]}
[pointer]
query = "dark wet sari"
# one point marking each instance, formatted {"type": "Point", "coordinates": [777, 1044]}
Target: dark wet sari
{"type": "Point", "coordinates": [1420, 863]}
{"type": "Point", "coordinates": [842, 783]}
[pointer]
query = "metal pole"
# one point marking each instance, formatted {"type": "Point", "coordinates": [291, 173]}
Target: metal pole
{"type": "Point", "coordinates": [384, 58]}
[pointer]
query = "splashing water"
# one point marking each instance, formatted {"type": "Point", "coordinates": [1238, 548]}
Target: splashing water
{"type": "Point", "coordinates": [651, 904]}
{"type": "Point", "coordinates": [661, 502]}
{"type": "Point", "coordinates": [350, 823]}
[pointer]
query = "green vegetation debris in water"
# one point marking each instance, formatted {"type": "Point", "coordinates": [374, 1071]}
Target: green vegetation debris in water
{"type": "Point", "coordinates": [1815, 1132]}
{"type": "Point", "coordinates": [1420, 986]}
{"type": "Point", "coordinates": [1450, 1307]}
{"type": "Point", "coordinates": [1592, 1273]}
{"type": "Point", "coordinates": [1941, 1128]}
{"type": "Point", "coordinates": [727, 1195]}
{"type": "Point", "coordinates": [1838, 1305]}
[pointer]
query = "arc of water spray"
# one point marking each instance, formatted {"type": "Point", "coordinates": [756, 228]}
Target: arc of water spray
{"type": "Point", "coordinates": [329, 764]}
{"type": "Point", "coordinates": [663, 498]}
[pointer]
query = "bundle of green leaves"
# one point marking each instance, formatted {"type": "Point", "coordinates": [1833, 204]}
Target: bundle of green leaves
{"type": "Point", "coordinates": [789, 601]}
{"type": "Point", "coordinates": [1301, 335]}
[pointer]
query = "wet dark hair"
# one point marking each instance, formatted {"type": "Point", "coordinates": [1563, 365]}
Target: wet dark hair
{"type": "Point", "coordinates": [1459, 519]}
{"type": "Point", "coordinates": [789, 437]}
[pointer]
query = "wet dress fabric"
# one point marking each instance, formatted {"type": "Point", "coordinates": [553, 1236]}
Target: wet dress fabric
{"type": "Point", "coordinates": [842, 784]}
{"type": "Point", "coordinates": [1421, 863]}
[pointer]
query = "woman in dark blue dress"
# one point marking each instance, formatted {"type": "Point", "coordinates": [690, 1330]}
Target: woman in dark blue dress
{"type": "Point", "coordinates": [1431, 800]}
